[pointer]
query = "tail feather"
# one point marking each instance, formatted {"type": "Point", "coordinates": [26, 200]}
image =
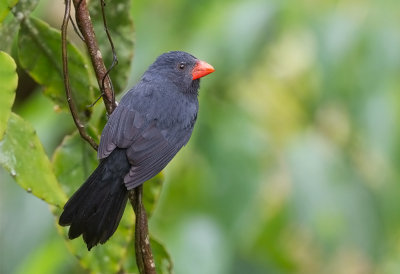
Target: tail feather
{"type": "Point", "coordinates": [96, 208]}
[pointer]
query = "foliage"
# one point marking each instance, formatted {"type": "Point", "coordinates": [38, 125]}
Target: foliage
{"type": "Point", "coordinates": [120, 26]}
{"type": "Point", "coordinates": [22, 153]}
{"type": "Point", "coordinates": [23, 156]}
{"type": "Point", "coordinates": [45, 67]}
{"type": "Point", "coordinates": [8, 84]}
{"type": "Point", "coordinates": [5, 7]}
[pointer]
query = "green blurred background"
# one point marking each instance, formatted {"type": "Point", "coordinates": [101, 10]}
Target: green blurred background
{"type": "Point", "coordinates": [293, 165]}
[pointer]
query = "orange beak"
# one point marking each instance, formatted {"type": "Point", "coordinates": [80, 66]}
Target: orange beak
{"type": "Point", "coordinates": [201, 69]}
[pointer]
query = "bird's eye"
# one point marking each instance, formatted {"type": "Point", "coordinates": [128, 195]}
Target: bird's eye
{"type": "Point", "coordinates": [181, 66]}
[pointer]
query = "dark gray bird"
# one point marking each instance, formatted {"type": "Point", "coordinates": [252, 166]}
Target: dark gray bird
{"type": "Point", "coordinates": [153, 121]}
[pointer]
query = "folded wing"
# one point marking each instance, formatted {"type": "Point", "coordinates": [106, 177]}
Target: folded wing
{"type": "Point", "coordinates": [147, 147]}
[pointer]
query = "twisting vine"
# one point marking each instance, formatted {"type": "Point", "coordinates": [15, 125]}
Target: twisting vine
{"type": "Point", "coordinates": [72, 107]}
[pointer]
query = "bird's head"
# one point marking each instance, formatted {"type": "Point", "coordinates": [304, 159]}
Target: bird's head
{"type": "Point", "coordinates": [180, 68]}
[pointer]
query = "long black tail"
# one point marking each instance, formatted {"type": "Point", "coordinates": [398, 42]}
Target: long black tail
{"type": "Point", "coordinates": [96, 208]}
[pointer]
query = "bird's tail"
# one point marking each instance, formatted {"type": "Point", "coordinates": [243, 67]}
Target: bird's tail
{"type": "Point", "coordinates": [96, 208]}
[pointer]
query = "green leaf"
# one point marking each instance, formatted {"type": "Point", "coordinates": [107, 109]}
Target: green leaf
{"type": "Point", "coordinates": [8, 31]}
{"type": "Point", "coordinates": [120, 25]}
{"type": "Point", "coordinates": [8, 84]}
{"type": "Point", "coordinates": [151, 193]}
{"type": "Point", "coordinates": [24, 8]}
{"type": "Point", "coordinates": [23, 156]}
{"type": "Point", "coordinates": [73, 161]}
{"type": "Point", "coordinates": [45, 65]}
{"type": "Point", "coordinates": [5, 7]}
{"type": "Point", "coordinates": [162, 259]}
{"type": "Point", "coordinates": [9, 27]}
{"type": "Point", "coordinates": [98, 119]}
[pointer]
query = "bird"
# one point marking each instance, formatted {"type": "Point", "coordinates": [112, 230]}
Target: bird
{"type": "Point", "coordinates": [151, 123]}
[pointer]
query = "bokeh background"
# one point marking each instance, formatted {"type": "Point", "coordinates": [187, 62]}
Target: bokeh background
{"type": "Point", "coordinates": [293, 165]}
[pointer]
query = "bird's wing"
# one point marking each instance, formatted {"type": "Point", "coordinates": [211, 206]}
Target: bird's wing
{"type": "Point", "coordinates": [148, 148]}
{"type": "Point", "coordinates": [148, 155]}
{"type": "Point", "coordinates": [122, 128]}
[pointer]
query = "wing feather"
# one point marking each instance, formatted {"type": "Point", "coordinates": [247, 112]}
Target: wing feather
{"type": "Point", "coordinates": [149, 147]}
{"type": "Point", "coordinates": [149, 154]}
{"type": "Point", "coordinates": [123, 126]}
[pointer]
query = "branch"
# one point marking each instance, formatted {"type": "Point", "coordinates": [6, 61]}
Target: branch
{"type": "Point", "coordinates": [144, 255]}
{"type": "Point", "coordinates": [71, 105]}
{"type": "Point", "coordinates": [85, 26]}
{"type": "Point", "coordinates": [115, 59]}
